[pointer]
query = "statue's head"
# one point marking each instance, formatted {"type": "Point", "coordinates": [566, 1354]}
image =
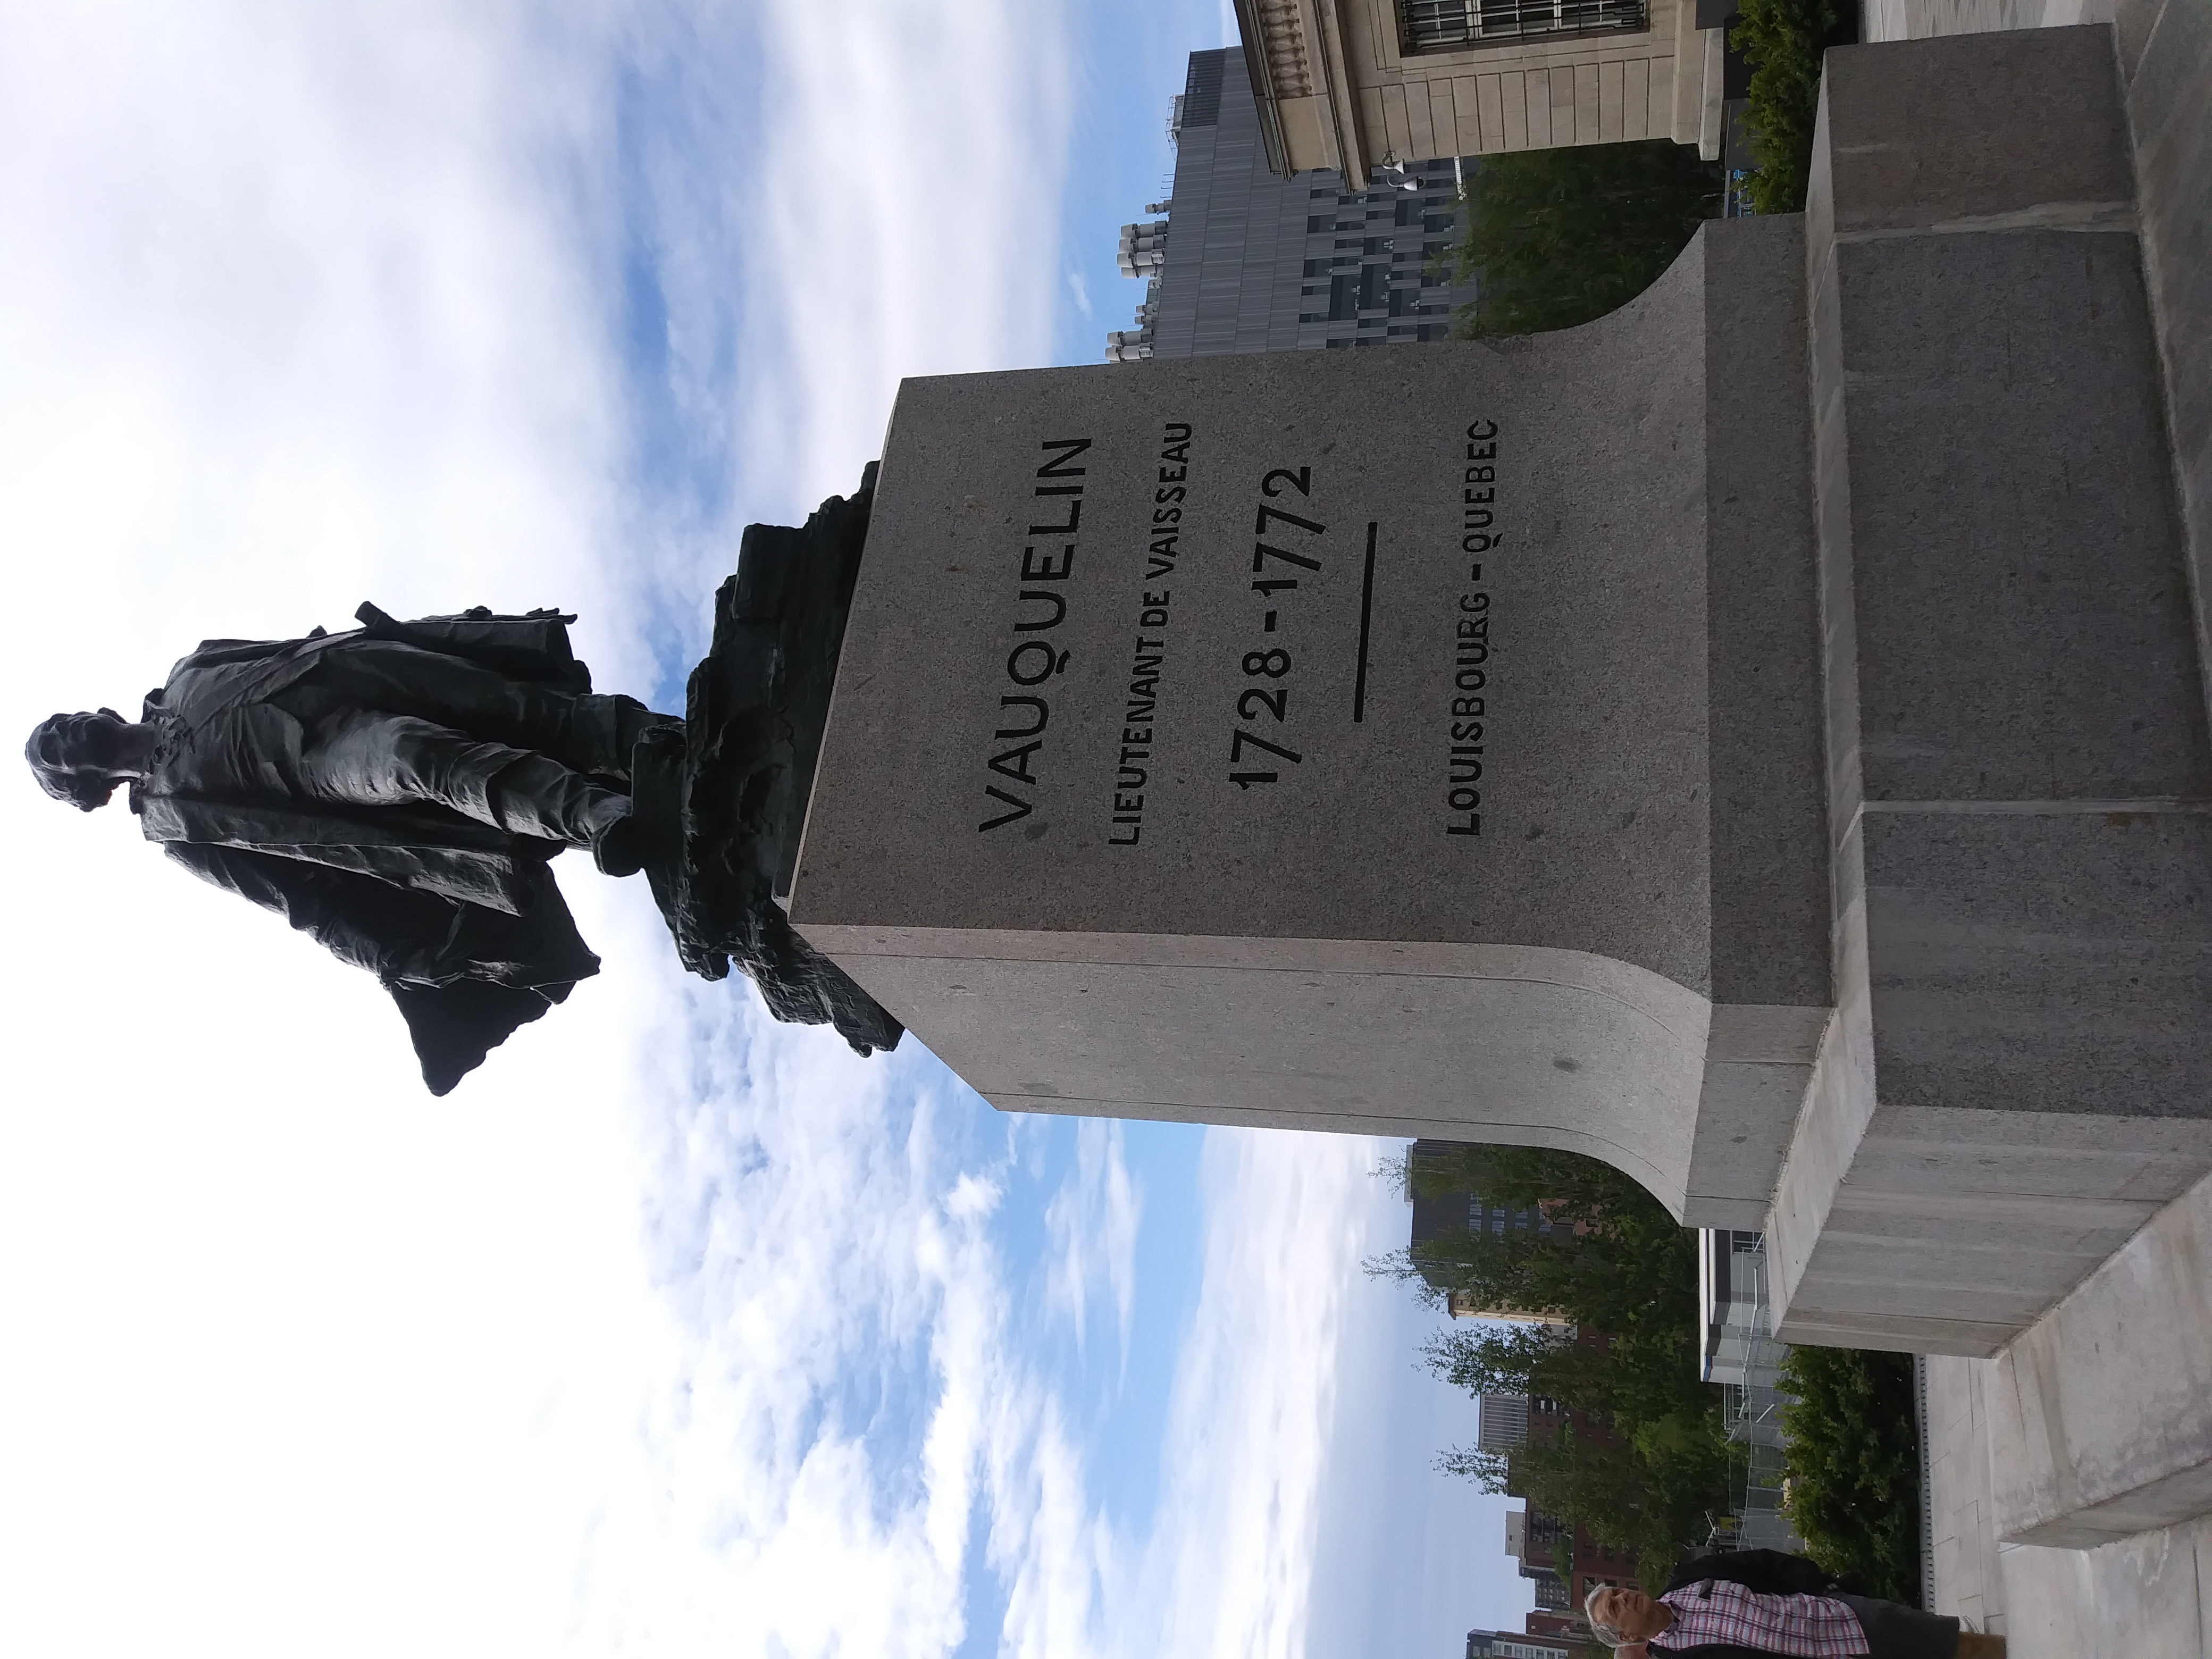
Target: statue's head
{"type": "Point", "coordinates": [75, 757]}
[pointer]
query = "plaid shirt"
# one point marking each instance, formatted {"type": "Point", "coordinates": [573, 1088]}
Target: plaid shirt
{"type": "Point", "coordinates": [1805, 1626]}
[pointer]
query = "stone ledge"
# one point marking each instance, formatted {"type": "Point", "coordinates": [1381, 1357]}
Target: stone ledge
{"type": "Point", "coordinates": [2101, 1412]}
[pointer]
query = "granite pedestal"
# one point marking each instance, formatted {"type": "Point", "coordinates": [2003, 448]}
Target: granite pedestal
{"type": "Point", "coordinates": [2019, 791]}
{"type": "Point", "coordinates": [1757, 739]}
{"type": "Point", "coordinates": [1412, 742]}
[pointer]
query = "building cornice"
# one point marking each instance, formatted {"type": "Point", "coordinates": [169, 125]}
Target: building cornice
{"type": "Point", "coordinates": [1294, 50]}
{"type": "Point", "coordinates": [1355, 157]}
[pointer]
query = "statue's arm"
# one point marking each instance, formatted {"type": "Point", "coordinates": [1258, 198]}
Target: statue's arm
{"type": "Point", "coordinates": [357, 919]}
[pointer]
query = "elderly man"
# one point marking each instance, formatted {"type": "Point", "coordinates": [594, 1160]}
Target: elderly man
{"type": "Point", "coordinates": [394, 791]}
{"type": "Point", "coordinates": [1763, 1603]}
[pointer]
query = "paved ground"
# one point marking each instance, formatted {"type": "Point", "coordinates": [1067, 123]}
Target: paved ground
{"type": "Point", "coordinates": [1968, 1581]}
{"type": "Point", "coordinates": [2145, 1597]}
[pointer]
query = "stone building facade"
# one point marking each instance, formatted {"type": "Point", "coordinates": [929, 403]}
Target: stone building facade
{"type": "Point", "coordinates": [1358, 84]}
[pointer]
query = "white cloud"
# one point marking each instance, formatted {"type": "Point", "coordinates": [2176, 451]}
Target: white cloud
{"type": "Point", "coordinates": [912, 157]}
{"type": "Point", "coordinates": [439, 304]}
{"type": "Point", "coordinates": [308, 305]}
{"type": "Point", "coordinates": [291, 318]}
{"type": "Point", "coordinates": [812, 1248]}
{"type": "Point", "coordinates": [1232, 1557]}
{"type": "Point", "coordinates": [1092, 1223]}
{"type": "Point", "coordinates": [295, 314]}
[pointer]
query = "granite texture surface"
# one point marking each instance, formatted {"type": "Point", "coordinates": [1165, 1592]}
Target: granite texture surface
{"type": "Point", "coordinates": [2020, 777]}
{"type": "Point", "coordinates": [1770, 901]}
{"type": "Point", "coordinates": [2165, 50]}
{"type": "Point", "coordinates": [2012, 532]}
{"type": "Point", "coordinates": [1582, 713]}
{"type": "Point", "coordinates": [2042, 961]}
{"type": "Point", "coordinates": [2087, 1433]}
{"type": "Point", "coordinates": [1098, 607]}
{"type": "Point", "coordinates": [1820, 689]}
{"type": "Point", "coordinates": [1469, 1042]}
{"type": "Point", "coordinates": [1980, 127]}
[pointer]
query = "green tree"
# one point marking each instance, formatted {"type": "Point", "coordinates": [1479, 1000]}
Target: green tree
{"type": "Point", "coordinates": [1655, 1462]}
{"type": "Point", "coordinates": [1649, 1496]}
{"type": "Point", "coordinates": [1851, 1446]}
{"type": "Point", "coordinates": [1637, 1377]}
{"type": "Point", "coordinates": [1560, 237]}
{"type": "Point", "coordinates": [1783, 40]}
{"type": "Point", "coordinates": [1614, 1259]}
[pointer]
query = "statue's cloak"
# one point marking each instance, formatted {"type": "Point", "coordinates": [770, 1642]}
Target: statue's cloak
{"type": "Point", "coordinates": [463, 923]}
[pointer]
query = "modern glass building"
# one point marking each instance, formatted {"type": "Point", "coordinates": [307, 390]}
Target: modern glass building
{"type": "Point", "coordinates": [1246, 261]}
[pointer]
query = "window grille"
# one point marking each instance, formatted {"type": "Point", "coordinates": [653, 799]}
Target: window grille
{"type": "Point", "coordinates": [1450, 25]}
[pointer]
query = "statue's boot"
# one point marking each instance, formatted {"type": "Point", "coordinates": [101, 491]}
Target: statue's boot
{"type": "Point", "coordinates": [620, 847]}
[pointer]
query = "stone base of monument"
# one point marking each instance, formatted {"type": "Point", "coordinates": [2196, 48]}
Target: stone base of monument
{"type": "Point", "coordinates": [1757, 739]}
{"type": "Point", "coordinates": [720, 800]}
{"type": "Point", "coordinates": [1417, 741]}
{"type": "Point", "coordinates": [2019, 790]}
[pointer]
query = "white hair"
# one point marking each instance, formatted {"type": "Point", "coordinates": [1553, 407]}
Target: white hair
{"type": "Point", "coordinates": [1610, 1635]}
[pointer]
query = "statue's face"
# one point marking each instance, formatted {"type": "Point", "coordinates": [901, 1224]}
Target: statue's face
{"type": "Point", "coordinates": [82, 743]}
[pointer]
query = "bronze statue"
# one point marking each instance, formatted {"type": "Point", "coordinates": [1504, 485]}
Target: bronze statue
{"type": "Point", "coordinates": [396, 791]}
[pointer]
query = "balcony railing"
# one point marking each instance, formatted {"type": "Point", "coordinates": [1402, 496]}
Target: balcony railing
{"type": "Point", "coordinates": [1454, 25]}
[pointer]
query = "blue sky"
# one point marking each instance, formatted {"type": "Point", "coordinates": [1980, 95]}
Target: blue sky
{"type": "Point", "coordinates": [673, 1331]}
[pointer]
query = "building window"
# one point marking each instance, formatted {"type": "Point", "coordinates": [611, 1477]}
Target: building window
{"type": "Point", "coordinates": [1453, 25]}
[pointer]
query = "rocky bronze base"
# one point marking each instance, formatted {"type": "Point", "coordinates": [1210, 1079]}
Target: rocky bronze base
{"type": "Point", "coordinates": [722, 799]}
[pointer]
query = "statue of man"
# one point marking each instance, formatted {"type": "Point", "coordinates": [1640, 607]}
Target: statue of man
{"type": "Point", "coordinates": [394, 791]}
